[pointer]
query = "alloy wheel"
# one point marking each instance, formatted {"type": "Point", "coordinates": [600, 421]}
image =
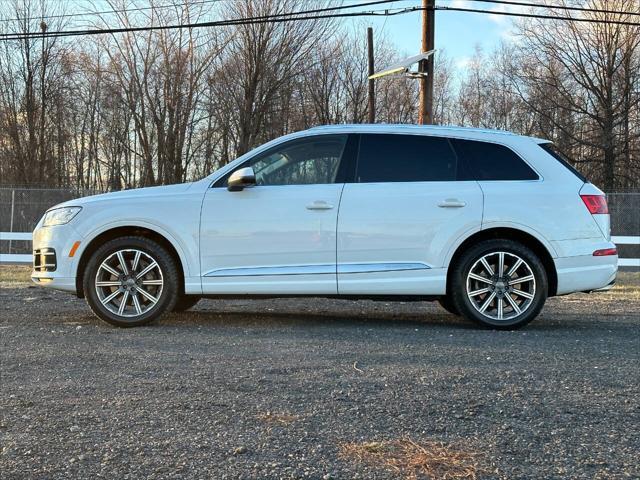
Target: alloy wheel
{"type": "Point", "coordinates": [129, 282]}
{"type": "Point", "coordinates": [501, 286]}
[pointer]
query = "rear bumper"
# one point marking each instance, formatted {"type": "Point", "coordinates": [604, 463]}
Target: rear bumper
{"type": "Point", "coordinates": [604, 289]}
{"type": "Point", "coordinates": [586, 273]}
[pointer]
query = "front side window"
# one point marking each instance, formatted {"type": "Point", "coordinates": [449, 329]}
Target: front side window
{"type": "Point", "coordinates": [306, 161]}
{"type": "Point", "coordinates": [405, 158]}
{"type": "Point", "coordinates": [490, 161]}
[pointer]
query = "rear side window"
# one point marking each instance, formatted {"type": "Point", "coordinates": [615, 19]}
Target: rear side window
{"type": "Point", "coordinates": [405, 158]}
{"type": "Point", "coordinates": [490, 161]}
{"type": "Point", "coordinates": [552, 150]}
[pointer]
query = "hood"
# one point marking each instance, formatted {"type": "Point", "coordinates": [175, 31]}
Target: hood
{"type": "Point", "coordinates": [133, 194]}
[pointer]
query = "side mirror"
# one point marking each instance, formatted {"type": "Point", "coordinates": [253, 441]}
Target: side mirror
{"type": "Point", "coordinates": [242, 178]}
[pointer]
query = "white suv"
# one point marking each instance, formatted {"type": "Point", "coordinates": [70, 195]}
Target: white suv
{"type": "Point", "coordinates": [488, 223]}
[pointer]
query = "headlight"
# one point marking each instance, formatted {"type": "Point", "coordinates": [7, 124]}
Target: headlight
{"type": "Point", "coordinates": [60, 216]}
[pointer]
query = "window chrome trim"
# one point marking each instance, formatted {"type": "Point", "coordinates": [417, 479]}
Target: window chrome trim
{"type": "Point", "coordinates": [323, 269]}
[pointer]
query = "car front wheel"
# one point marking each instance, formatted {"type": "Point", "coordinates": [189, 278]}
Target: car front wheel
{"type": "Point", "coordinates": [131, 281]}
{"type": "Point", "coordinates": [500, 284]}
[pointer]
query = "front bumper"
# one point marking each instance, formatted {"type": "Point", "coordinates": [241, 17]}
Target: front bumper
{"type": "Point", "coordinates": [58, 238]}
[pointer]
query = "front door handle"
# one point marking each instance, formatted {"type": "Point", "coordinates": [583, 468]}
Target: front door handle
{"type": "Point", "coordinates": [451, 203]}
{"type": "Point", "coordinates": [319, 205]}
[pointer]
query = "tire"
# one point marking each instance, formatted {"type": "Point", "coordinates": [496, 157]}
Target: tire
{"type": "Point", "coordinates": [185, 302]}
{"type": "Point", "coordinates": [107, 286]}
{"type": "Point", "coordinates": [478, 289]}
{"type": "Point", "coordinates": [445, 302]}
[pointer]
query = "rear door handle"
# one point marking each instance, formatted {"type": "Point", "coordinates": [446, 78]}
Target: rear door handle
{"type": "Point", "coordinates": [451, 203]}
{"type": "Point", "coordinates": [319, 205]}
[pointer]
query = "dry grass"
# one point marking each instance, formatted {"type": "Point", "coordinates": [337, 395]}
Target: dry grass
{"type": "Point", "coordinates": [272, 418]}
{"type": "Point", "coordinates": [15, 274]}
{"type": "Point", "coordinates": [426, 460]}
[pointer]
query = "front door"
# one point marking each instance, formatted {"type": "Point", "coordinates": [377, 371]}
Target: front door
{"type": "Point", "coordinates": [409, 203]}
{"type": "Point", "coordinates": [280, 235]}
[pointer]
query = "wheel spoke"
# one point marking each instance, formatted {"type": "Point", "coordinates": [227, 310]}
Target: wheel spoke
{"type": "Point", "coordinates": [475, 293]}
{"type": "Point", "coordinates": [480, 278]}
{"type": "Point", "coordinates": [136, 260]}
{"type": "Point", "coordinates": [513, 304]}
{"type": "Point", "coordinates": [486, 265]}
{"type": "Point", "coordinates": [148, 296]}
{"type": "Point", "coordinates": [123, 303]}
{"type": "Point", "coordinates": [520, 293]}
{"type": "Point", "coordinates": [500, 264]}
{"type": "Point", "coordinates": [112, 271]}
{"type": "Point", "coordinates": [107, 284]}
{"type": "Point", "coordinates": [525, 279]}
{"type": "Point", "coordinates": [146, 270]}
{"type": "Point", "coordinates": [500, 308]}
{"type": "Point", "coordinates": [515, 267]}
{"type": "Point", "coordinates": [152, 282]}
{"type": "Point", "coordinates": [123, 264]}
{"type": "Point", "coordinates": [106, 300]}
{"type": "Point", "coordinates": [136, 304]}
{"type": "Point", "coordinates": [487, 302]}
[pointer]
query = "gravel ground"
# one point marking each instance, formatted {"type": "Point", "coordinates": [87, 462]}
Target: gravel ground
{"type": "Point", "coordinates": [273, 388]}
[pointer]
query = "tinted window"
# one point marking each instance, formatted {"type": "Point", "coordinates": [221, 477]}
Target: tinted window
{"type": "Point", "coordinates": [306, 161]}
{"type": "Point", "coordinates": [405, 158]}
{"type": "Point", "coordinates": [489, 161]}
{"type": "Point", "coordinates": [552, 150]}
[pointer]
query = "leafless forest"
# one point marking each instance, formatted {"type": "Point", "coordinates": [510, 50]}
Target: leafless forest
{"type": "Point", "coordinates": [123, 110]}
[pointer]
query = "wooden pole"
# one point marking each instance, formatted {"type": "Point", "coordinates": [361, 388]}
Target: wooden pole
{"type": "Point", "coordinates": [425, 111]}
{"type": "Point", "coordinates": [372, 90]}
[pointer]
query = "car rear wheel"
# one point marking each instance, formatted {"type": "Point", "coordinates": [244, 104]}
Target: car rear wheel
{"type": "Point", "coordinates": [500, 284]}
{"type": "Point", "coordinates": [185, 302]}
{"type": "Point", "coordinates": [131, 281]}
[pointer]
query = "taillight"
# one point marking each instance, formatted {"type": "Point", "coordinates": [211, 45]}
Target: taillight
{"type": "Point", "coordinates": [605, 252]}
{"type": "Point", "coordinates": [595, 203]}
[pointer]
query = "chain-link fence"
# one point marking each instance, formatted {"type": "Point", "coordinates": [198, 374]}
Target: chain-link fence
{"type": "Point", "coordinates": [21, 208]}
{"type": "Point", "coordinates": [625, 213]}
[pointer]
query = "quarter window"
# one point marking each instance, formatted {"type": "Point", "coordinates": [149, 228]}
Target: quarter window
{"type": "Point", "coordinates": [490, 161]}
{"type": "Point", "coordinates": [405, 158]}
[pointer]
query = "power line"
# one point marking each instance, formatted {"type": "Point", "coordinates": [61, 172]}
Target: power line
{"type": "Point", "coordinates": [558, 7]}
{"type": "Point", "coordinates": [107, 12]}
{"type": "Point", "coordinates": [303, 15]}
{"type": "Point", "coordinates": [279, 18]}
{"type": "Point", "coordinates": [274, 17]}
{"type": "Point", "coordinates": [183, 4]}
{"type": "Point", "coordinates": [535, 15]}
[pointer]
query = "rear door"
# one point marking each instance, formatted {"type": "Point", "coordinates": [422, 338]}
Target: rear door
{"type": "Point", "coordinates": [409, 202]}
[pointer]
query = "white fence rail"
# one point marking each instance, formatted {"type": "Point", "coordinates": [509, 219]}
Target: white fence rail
{"type": "Point", "coordinates": [13, 258]}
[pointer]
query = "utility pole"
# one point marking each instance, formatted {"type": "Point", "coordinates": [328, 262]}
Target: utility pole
{"type": "Point", "coordinates": [425, 112]}
{"type": "Point", "coordinates": [47, 172]}
{"type": "Point", "coordinates": [372, 90]}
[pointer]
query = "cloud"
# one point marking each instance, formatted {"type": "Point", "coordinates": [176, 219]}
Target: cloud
{"type": "Point", "coordinates": [504, 19]}
{"type": "Point", "coordinates": [463, 63]}
{"type": "Point", "coordinates": [460, 4]}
